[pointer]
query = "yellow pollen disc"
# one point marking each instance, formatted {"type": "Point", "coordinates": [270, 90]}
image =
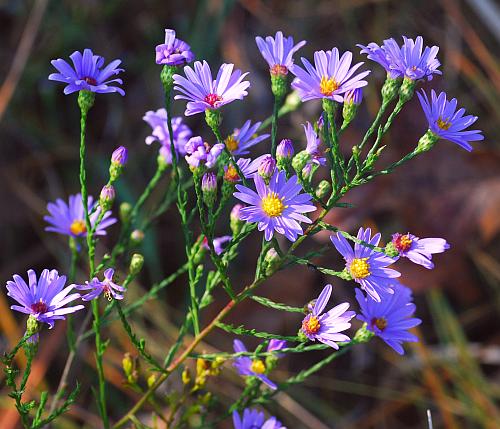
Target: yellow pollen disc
{"type": "Point", "coordinates": [311, 325]}
{"type": "Point", "coordinates": [359, 268]}
{"type": "Point", "coordinates": [231, 175]}
{"type": "Point", "coordinates": [443, 124]}
{"type": "Point", "coordinates": [273, 205]}
{"type": "Point", "coordinates": [405, 242]}
{"type": "Point", "coordinates": [328, 85]}
{"type": "Point", "coordinates": [78, 227]}
{"type": "Point", "coordinates": [258, 366]}
{"type": "Point", "coordinates": [231, 144]}
{"type": "Point", "coordinates": [380, 323]}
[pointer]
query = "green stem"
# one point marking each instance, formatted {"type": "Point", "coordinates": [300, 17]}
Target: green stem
{"type": "Point", "coordinates": [274, 125]}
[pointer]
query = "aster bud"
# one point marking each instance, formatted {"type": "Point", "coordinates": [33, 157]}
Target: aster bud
{"type": "Point", "coordinates": [235, 221]}
{"type": "Point", "coordinates": [136, 237]}
{"type": "Point", "coordinates": [407, 90]}
{"type": "Point", "coordinates": [118, 160]}
{"type": "Point", "coordinates": [266, 168]}
{"type": "Point", "coordinates": [85, 100]}
{"type": "Point", "coordinates": [106, 197]}
{"type": "Point", "coordinates": [390, 89]}
{"type": "Point", "coordinates": [309, 170]}
{"type": "Point", "coordinates": [272, 261]}
{"type": "Point", "coordinates": [363, 335]}
{"type": "Point", "coordinates": [151, 380]}
{"type": "Point", "coordinates": [427, 141]}
{"type": "Point", "coordinates": [33, 327]}
{"type": "Point", "coordinates": [209, 188]}
{"type": "Point", "coordinates": [124, 212]}
{"type": "Point", "coordinates": [166, 77]}
{"type": "Point", "coordinates": [284, 154]}
{"type": "Point", "coordinates": [127, 365]}
{"type": "Point", "coordinates": [136, 263]}
{"type": "Point", "coordinates": [300, 160]}
{"type": "Point", "coordinates": [323, 189]}
{"type": "Point", "coordinates": [352, 99]}
{"type": "Point", "coordinates": [391, 250]}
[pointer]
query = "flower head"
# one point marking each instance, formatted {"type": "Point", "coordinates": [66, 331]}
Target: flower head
{"type": "Point", "coordinates": [285, 149]}
{"type": "Point", "coordinates": [313, 145]}
{"type": "Point", "coordinates": [87, 73]}
{"type": "Point", "coordinates": [218, 243]}
{"type": "Point", "coordinates": [331, 77]}
{"type": "Point", "coordinates": [253, 419]}
{"type": "Point", "coordinates": [278, 52]}
{"type": "Point", "coordinates": [278, 206]}
{"type": "Point", "coordinates": [266, 167]}
{"type": "Point", "coordinates": [390, 318]}
{"type": "Point", "coordinates": [379, 54]}
{"type": "Point", "coordinates": [69, 219]}
{"type": "Point", "coordinates": [110, 289]}
{"type": "Point", "coordinates": [246, 166]}
{"type": "Point", "coordinates": [244, 138]}
{"type": "Point", "coordinates": [158, 121]}
{"type": "Point", "coordinates": [354, 96]}
{"type": "Point", "coordinates": [367, 266]}
{"type": "Point", "coordinates": [448, 123]}
{"type": "Point", "coordinates": [119, 156]}
{"type": "Point", "coordinates": [327, 327]}
{"type": "Point", "coordinates": [204, 93]}
{"type": "Point", "coordinates": [250, 367]}
{"type": "Point", "coordinates": [174, 52]}
{"type": "Point", "coordinates": [418, 250]}
{"type": "Point", "coordinates": [45, 298]}
{"type": "Point", "coordinates": [200, 153]}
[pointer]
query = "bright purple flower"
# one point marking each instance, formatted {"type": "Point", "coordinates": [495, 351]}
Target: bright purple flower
{"type": "Point", "coordinates": [253, 419]}
{"type": "Point", "coordinates": [200, 153]}
{"type": "Point", "coordinates": [367, 266]}
{"type": "Point", "coordinates": [246, 166]}
{"type": "Point", "coordinates": [278, 206]}
{"type": "Point", "coordinates": [447, 122]}
{"type": "Point", "coordinates": [119, 156]}
{"type": "Point", "coordinates": [158, 121]}
{"type": "Point", "coordinates": [110, 289]}
{"type": "Point", "coordinates": [419, 250]}
{"type": "Point", "coordinates": [285, 149]}
{"type": "Point", "coordinates": [69, 219]}
{"type": "Point", "coordinates": [326, 327]}
{"type": "Point", "coordinates": [174, 52]}
{"type": "Point", "coordinates": [354, 96]}
{"type": "Point", "coordinates": [278, 52]}
{"type": "Point", "coordinates": [87, 73]}
{"type": "Point", "coordinates": [44, 299]}
{"type": "Point", "coordinates": [202, 92]}
{"type": "Point", "coordinates": [379, 54]}
{"type": "Point", "coordinates": [330, 77]}
{"type": "Point", "coordinates": [390, 318]}
{"type": "Point", "coordinates": [313, 145]}
{"type": "Point", "coordinates": [244, 138]}
{"type": "Point", "coordinates": [218, 243]}
{"type": "Point", "coordinates": [250, 367]}
{"type": "Point", "coordinates": [276, 345]}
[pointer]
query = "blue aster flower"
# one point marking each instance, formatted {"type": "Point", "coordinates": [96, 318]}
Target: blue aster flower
{"type": "Point", "coordinates": [250, 367]}
{"type": "Point", "coordinates": [107, 286]}
{"type": "Point", "coordinates": [331, 77]}
{"type": "Point", "coordinates": [278, 206]}
{"type": "Point", "coordinates": [390, 318]}
{"type": "Point", "coordinates": [174, 52]}
{"type": "Point", "coordinates": [45, 298]}
{"type": "Point", "coordinates": [313, 145]}
{"type": "Point", "coordinates": [87, 73]}
{"type": "Point", "coordinates": [448, 123]}
{"type": "Point", "coordinates": [418, 250]}
{"type": "Point", "coordinates": [367, 266]}
{"type": "Point", "coordinates": [244, 138]}
{"type": "Point", "coordinates": [253, 419]}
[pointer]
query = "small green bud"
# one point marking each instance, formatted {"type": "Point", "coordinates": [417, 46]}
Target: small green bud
{"type": "Point", "coordinates": [390, 89]}
{"type": "Point", "coordinates": [363, 335]}
{"type": "Point", "coordinates": [213, 118]}
{"type": "Point", "coordinates": [279, 85]}
{"type": "Point", "coordinates": [186, 376]}
{"type": "Point", "coordinates": [272, 261]}
{"type": "Point", "coordinates": [302, 337]}
{"type": "Point", "coordinates": [407, 90]}
{"type": "Point", "coordinates": [33, 326]}
{"type": "Point", "coordinates": [166, 77]}
{"type": "Point", "coordinates": [299, 161]}
{"type": "Point", "coordinates": [85, 100]}
{"type": "Point", "coordinates": [209, 188]}
{"type": "Point", "coordinates": [391, 250]}
{"type": "Point", "coordinates": [427, 141]}
{"type": "Point", "coordinates": [136, 263]}
{"type": "Point", "coordinates": [323, 189]}
{"type": "Point", "coordinates": [124, 212]}
{"type": "Point", "coordinates": [107, 197]}
{"type": "Point", "coordinates": [136, 237]}
{"type": "Point", "coordinates": [161, 162]}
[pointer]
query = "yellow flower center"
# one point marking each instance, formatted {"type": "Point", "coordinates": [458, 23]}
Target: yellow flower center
{"type": "Point", "coordinates": [78, 227]}
{"type": "Point", "coordinates": [360, 268]}
{"type": "Point", "coordinates": [311, 325]}
{"type": "Point", "coordinates": [231, 143]}
{"type": "Point", "coordinates": [273, 205]}
{"type": "Point", "coordinates": [231, 175]}
{"type": "Point", "coordinates": [379, 322]}
{"type": "Point", "coordinates": [258, 366]}
{"type": "Point", "coordinates": [443, 124]}
{"type": "Point", "coordinates": [328, 85]}
{"type": "Point", "coordinates": [403, 243]}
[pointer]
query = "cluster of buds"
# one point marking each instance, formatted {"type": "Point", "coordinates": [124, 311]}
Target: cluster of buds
{"type": "Point", "coordinates": [130, 369]}
{"type": "Point", "coordinates": [204, 370]}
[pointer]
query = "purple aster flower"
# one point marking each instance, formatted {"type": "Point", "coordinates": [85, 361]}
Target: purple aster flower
{"type": "Point", "coordinates": [379, 54]}
{"type": "Point", "coordinates": [367, 266]}
{"type": "Point", "coordinates": [202, 92]}
{"type": "Point", "coordinates": [158, 121]}
{"type": "Point", "coordinates": [448, 123]}
{"type": "Point", "coordinates": [250, 367]}
{"type": "Point", "coordinates": [244, 138]}
{"type": "Point", "coordinates": [110, 289]}
{"type": "Point", "coordinates": [174, 52]}
{"type": "Point", "coordinates": [200, 153]}
{"type": "Point", "coordinates": [246, 166]}
{"type": "Point", "coordinates": [218, 243]}
{"type": "Point", "coordinates": [390, 318]}
{"type": "Point", "coordinates": [253, 419]}
{"type": "Point", "coordinates": [278, 206]}
{"type": "Point", "coordinates": [45, 298]}
{"type": "Point", "coordinates": [276, 345]}
{"type": "Point", "coordinates": [69, 219]}
{"type": "Point", "coordinates": [87, 73]}
{"type": "Point", "coordinates": [419, 250]}
{"type": "Point", "coordinates": [313, 145]}
{"type": "Point", "coordinates": [326, 327]}
{"type": "Point", "coordinates": [278, 52]}
{"type": "Point", "coordinates": [285, 149]}
{"type": "Point", "coordinates": [354, 96]}
{"type": "Point", "coordinates": [330, 77]}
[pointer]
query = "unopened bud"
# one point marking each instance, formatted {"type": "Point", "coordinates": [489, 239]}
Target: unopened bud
{"type": "Point", "coordinates": [352, 99]}
{"type": "Point", "coordinates": [209, 188]}
{"type": "Point", "coordinates": [323, 189]}
{"type": "Point", "coordinates": [127, 365]}
{"type": "Point", "coordinates": [427, 141]}
{"type": "Point", "coordinates": [272, 261]}
{"type": "Point", "coordinates": [300, 160]}
{"type": "Point", "coordinates": [118, 160]}
{"type": "Point", "coordinates": [136, 264]}
{"type": "Point", "coordinates": [390, 89]}
{"type": "Point", "coordinates": [363, 335]}
{"type": "Point", "coordinates": [284, 154]}
{"type": "Point", "coordinates": [279, 82]}
{"type": "Point", "coordinates": [234, 219]}
{"type": "Point", "coordinates": [124, 212]}
{"type": "Point", "coordinates": [136, 237]}
{"type": "Point", "coordinates": [266, 168]}
{"type": "Point", "coordinates": [106, 197]}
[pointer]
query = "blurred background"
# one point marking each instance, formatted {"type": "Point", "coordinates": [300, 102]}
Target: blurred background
{"type": "Point", "coordinates": [453, 371]}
